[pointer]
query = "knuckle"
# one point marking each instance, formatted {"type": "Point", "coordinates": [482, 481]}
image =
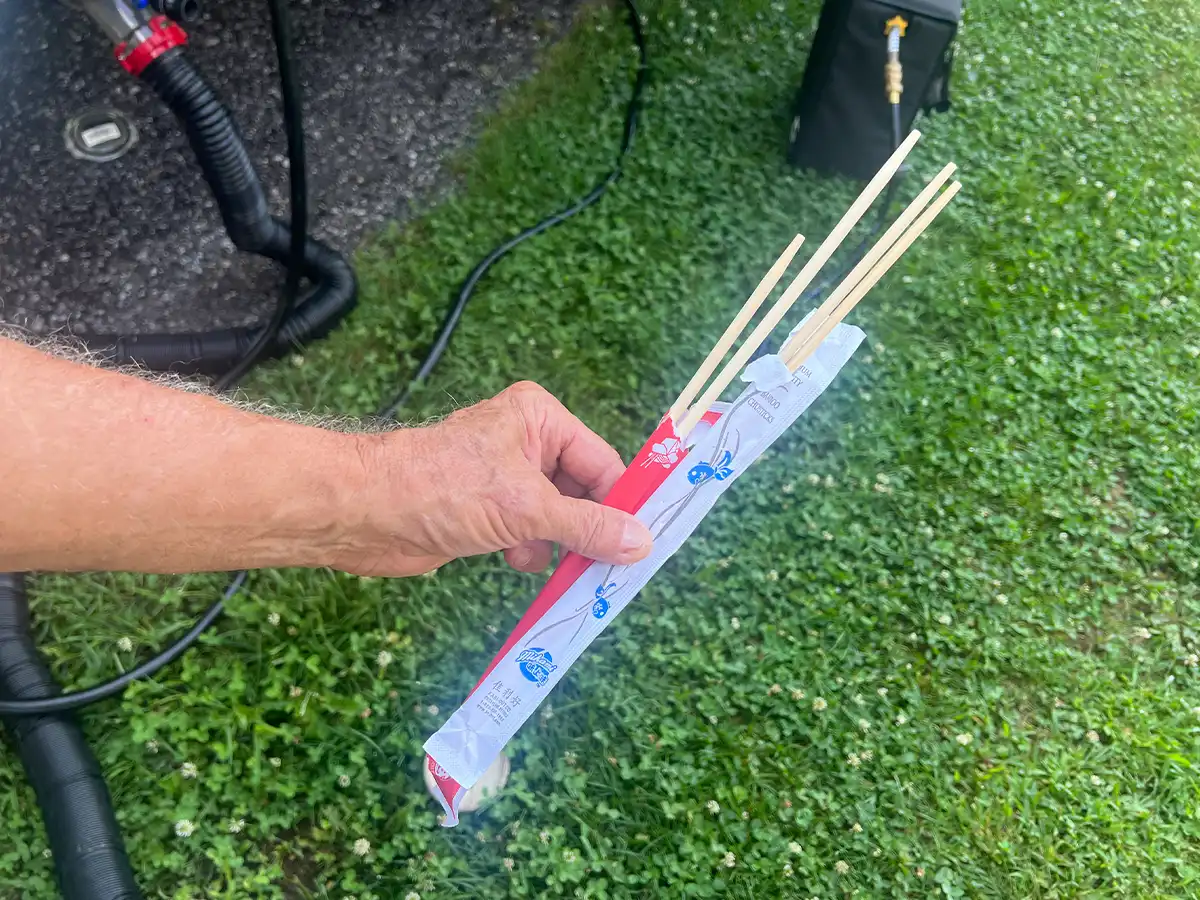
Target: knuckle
{"type": "Point", "coordinates": [525, 386]}
{"type": "Point", "coordinates": [594, 529]}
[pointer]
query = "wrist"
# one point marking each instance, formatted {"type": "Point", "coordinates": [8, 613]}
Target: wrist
{"type": "Point", "coordinates": [358, 477]}
{"type": "Point", "coordinates": [322, 519]}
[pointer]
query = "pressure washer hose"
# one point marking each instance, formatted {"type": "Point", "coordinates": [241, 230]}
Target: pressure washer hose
{"type": "Point", "coordinates": [89, 854]}
{"type": "Point", "coordinates": [239, 193]}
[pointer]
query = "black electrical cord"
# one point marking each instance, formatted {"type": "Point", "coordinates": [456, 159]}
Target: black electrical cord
{"type": "Point", "coordinates": [442, 340]}
{"type": "Point", "coordinates": [77, 699]}
{"type": "Point", "coordinates": [293, 123]}
{"type": "Point", "coordinates": [299, 206]}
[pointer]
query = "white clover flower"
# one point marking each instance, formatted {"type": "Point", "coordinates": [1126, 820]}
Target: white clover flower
{"type": "Point", "coordinates": [236, 826]}
{"type": "Point", "coordinates": [797, 694]}
{"type": "Point", "coordinates": [273, 618]}
{"type": "Point", "coordinates": [856, 828]}
{"type": "Point", "coordinates": [343, 780]}
{"type": "Point", "coordinates": [1142, 633]}
{"type": "Point", "coordinates": [901, 719]}
{"type": "Point", "coordinates": [787, 870]}
{"type": "Point", "coordinates": [794, 847]}
{"type": "Point", "coordinates": [775, 689]}
{"type": "Point", "coordinates": [964, 739]}
{"type": "Point", "coordinates": [1093, 736]}
{"type": "Point", "coordinates": [544, 837]}
{"type": "Point", "coordinates": [882, 692]}
{"type": "Point", "coordinates": [570, 856]}
{"type": "Point", "coordinates": [814, 479]}
{"type": "Point", "coordinates": [275, 761]}
{"type": "Point", "coordinates": [841, 867]}
{"type": "Point", "coordinates": [184, 828]}
{"type": "Point", "coordinates": [1097, 780]}
{"type": "Point", "coordinates": [713, 807]}
{"type": "Point", "coordinates": [867, 755]}
{"type": "Point", "coordinates": [853, 760]}
{"type": "Point", "coordinates": [772, 575]}
{"type": "Point", "coordinates": [945, 619]}
{"type": "Point", "coordinates": [729, 860]}
{"type": "Point", "coordinates": [735, 623]}
{"type": "Point", "coordinates": [152, 746]}
{"type": "Point", "coordinates": [188, 770]}
{"type": "Point", "coordinates": [383, 659]}
{"type": "Point", "coordinates": [864, 725]}
{"type": "Point", "coordinates": [859, 699]}
{"type": "Point", "coordinates": [509, 863]}
{"type": "Point", "coordinates": [412, 895]}
{"type": "Point", "coordinates": [432, 709]}
{"type": "Point", "coordinates": [819, 704]}
{"type": "Point", "coordinates": [125, 645]}
{"type": "Point", "coordinates": [362, 847]}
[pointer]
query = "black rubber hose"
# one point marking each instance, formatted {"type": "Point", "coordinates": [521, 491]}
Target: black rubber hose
{"type": "Point", "coordinates": [467, 289]}
{"type": "Point", "coordinates": [243, 204]}
{"type": "Point", "coordinates": [89, 855]}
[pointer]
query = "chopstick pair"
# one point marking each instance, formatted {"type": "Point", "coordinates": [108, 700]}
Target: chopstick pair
{"type": "Point", "coordinates": [898, 238]}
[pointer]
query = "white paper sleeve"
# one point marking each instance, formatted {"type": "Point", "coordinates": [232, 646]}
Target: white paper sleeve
{"type": "Point", "coordinates": [472, 737]}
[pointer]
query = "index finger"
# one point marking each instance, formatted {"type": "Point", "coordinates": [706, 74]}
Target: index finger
{"type": "Point", "coordinates": [567, 447]}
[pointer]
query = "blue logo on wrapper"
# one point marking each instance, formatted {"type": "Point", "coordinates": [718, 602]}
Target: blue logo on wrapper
{"type": "Point", "coordinates": [536, 664]}
{"type": "Point", "coordinates": [600, 607]}
{"type": "Point", "coordinates": [703, 472]}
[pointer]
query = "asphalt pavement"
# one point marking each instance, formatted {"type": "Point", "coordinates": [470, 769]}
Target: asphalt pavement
{"type": "Point", "coordinates": [136, 244]}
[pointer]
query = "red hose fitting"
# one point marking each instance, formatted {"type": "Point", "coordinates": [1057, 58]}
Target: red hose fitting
{"type": "Point", "coordinates": [164, 34]}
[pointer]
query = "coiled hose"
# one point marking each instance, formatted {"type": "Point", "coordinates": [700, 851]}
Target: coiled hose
{"type": "Point", "coordinates": [89, 854]}
{"type": "Point", "coordinates": [240, 197]}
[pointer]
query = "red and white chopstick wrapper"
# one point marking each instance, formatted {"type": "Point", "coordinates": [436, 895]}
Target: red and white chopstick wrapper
{"type": "Point", "coordinates": [671, 489]}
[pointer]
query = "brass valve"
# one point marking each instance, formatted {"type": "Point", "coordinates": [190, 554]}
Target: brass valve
{"type": "Point", "coordinates": [893, 74]}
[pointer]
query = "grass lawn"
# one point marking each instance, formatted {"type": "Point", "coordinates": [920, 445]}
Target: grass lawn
{"type": "Point", "coordinates": [972, 569]}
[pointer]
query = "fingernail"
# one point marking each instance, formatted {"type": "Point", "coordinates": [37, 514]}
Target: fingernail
{"type": "Point", "coordinates": [522, 557]}
{"type": "Point", "coordinates": [635, 539]}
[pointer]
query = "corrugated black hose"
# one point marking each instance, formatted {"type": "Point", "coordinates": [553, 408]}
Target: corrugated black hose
{"type": "Point", "coordinates": [240, 196]}
{"type": "Point", "coordinates": [89, 854]}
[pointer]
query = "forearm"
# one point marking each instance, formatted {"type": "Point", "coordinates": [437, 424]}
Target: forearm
{"type": "Point", "coordinates": [106, 471]}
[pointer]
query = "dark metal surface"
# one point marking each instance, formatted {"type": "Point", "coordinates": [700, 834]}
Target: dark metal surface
{"type": "Point", "coordinates": [136, 244]}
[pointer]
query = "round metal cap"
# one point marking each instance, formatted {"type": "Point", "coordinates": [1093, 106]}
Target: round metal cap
{"type": "Point", "coordinates": [100, 135]}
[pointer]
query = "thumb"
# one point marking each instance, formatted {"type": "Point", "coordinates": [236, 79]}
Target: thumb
{"type": "Point", "coordinates": [596, 531]}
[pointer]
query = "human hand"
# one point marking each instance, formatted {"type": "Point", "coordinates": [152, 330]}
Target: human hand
{"type": "Point", "coordinates": [514, 473]}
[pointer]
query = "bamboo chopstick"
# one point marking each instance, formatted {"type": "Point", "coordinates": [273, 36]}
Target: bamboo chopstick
{"type": "Point", "coordinates": [794, 353]}
{"type": "Point", "coordinates": [776, 313]}
{"type": "Point", "coordinates": [894, 231]}
{"type": "Point", "coordinates": [735, 329]}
